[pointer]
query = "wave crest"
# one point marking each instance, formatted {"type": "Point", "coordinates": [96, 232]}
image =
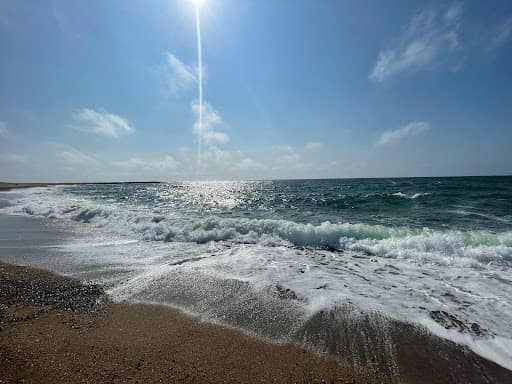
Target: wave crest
{"type": "Point", "coordinates": [421, 245]}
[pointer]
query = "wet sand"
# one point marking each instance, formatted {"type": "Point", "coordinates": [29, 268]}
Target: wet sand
{"type": "Point", "coordinates": [59, 330]}
{"type": "Point", "coordinates": [55, 327]}
{"type": "Point", "coordinates": [56, 330]}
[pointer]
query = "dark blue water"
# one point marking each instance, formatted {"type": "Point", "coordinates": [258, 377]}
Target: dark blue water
{"type": "Point", "coordinates": [463, 203]}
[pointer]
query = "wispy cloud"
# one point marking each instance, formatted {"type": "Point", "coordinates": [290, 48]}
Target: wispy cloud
{"type": "Point", "coordinates": [7, 157]}
{"type": "Point", "coordinates": [314, 145]}
{"type": "Point", "coordinates": [74, 157]}
{"type": "Point", "coordinates": [211, 121]}
{"type": "Point", "coordinates": [501, 36]}
{"type": "Point", "coordinates": [287, 152]}
{"type": "Point", "coordinates": [68, 19]}
{"type": "Point", "coordinates": [286, 158]}
{"type": "Point", "coordinates": [69, 156]}
{"type": "Point", "coordinates": [3, 129]}
{"type": "Point", "coordinates": [101, 122]}
{"type": "Point", "coordinates": [180, 75]}
{"type": "Point", "coordinates": [397, 135]}
{"type": "Point", "coordinates": [217, 162]}
{"type": "Point", "coordinates": [165, 163]}
{"type": "Point", "coordinates": [248, 164]}
{"type": "Point", "coordinates": [430, 35]}
{"type": "Point", "coordinates": [215, 159]}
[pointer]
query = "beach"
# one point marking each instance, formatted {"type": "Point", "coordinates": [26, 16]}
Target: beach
{"type": "Point", "coordinates": [83, 302]}
{"type": "Point", "coordinates": [54, 329]}
{"type": "Point", "coordinates": [222, 191]}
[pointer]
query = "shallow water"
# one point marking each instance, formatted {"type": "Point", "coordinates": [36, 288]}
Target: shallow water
{"type": "Point", "coordinates": [268, 255]}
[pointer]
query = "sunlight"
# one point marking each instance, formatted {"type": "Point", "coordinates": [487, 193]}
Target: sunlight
{"type": "Point", "coordinates": [200, 84]}
{"type": "Point", "coordinates": [256, 191]}
{"type": "Point", "coordinates": [198, 3]}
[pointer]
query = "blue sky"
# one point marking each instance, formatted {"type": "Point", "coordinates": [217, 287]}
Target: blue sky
{"type": "Point", "coordinates": [107, 90]}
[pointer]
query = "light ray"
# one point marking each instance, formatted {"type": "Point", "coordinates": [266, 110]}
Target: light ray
{"type": "Point", "coordinates": [200, 85]}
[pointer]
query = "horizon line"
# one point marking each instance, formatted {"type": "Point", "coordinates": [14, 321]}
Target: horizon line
{"type": "Point", "coordinates": [224, 180]}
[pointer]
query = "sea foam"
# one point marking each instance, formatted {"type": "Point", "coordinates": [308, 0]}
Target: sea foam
{"type": "Point", "coordinates": [405, 273]}
{"type": "Point", "coordinates": [421, 245]}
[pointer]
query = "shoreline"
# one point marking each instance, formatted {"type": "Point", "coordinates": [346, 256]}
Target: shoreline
{"type": "Point", "coordinates": [9, 186]}
{"type": "Point", "coordinates": [54, 327]}
{"type": "Point", "coordinates": [364, 345]}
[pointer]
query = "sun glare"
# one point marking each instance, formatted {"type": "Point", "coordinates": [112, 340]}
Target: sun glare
{"type": "Point", "coordinates": [198, 3]}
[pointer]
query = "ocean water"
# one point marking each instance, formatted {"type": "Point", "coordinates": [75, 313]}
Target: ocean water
{"type": "Point", "coordinates": [267, 255]}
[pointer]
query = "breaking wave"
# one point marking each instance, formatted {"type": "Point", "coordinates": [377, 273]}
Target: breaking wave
{"type": "Point", "coordinates": [421, 245]}
{"type": "Point", "coordinates": [412, 197]}
{"type": "Point", "coordinates": [404, 271]}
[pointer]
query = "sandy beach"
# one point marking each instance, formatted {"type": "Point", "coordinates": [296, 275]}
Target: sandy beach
{"type": "Point", "coordinates": [58, 329]}
{"type": "Point", "coordinates": [54, 329]}
{"type": "Point", "coordinates": [222, 191]}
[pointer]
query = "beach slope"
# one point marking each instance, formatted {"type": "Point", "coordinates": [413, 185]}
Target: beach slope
{"type": "Point", "coordinates": [55, 329]}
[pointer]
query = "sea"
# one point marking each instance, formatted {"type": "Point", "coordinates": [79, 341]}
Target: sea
{"type": "Point", "coordinates": [266, 256]}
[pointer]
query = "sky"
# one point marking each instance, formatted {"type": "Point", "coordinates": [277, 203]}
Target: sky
{"type": "Point", "coordinates": [108, 90]}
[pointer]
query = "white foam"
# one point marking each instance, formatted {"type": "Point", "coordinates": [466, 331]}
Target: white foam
{"type": "Point", "coordinates": [477, 248]}
{"type": "Point", "coordinates": [401, 272]}
{"type": "Point", "coordinates": [497, 349]}
{"type": "Point", "coordinates": [412, 197]}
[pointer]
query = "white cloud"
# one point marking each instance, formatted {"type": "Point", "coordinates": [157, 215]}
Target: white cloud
{"type": "Point", "coordinates": [286, 158]}
{"type": "Point", "coordinates": [215, 157]}
{"type": "Point", "coordinates": [180, 75]}
{"type": "Point", "coordinates": [287, 152]}
{"type": "Point", "coordinates": [248, 164]}
{"type": "Point", "coordinates": [12, 158]}
{"type": "Point", "coordinates": [101, 123]}
{"type": "Point", "coordinates": [68, 19]}
{"type": "Point", "coordinates": [75, 157]}
{"type": "Point", "coordinates": [3, 129]}
{"type": "Point", "coordinates": [217, 162]}
{"type": "Point", "coordinates": [413, 128]}
{"type": "Point", "coordinates": [431, 35]}
{"type": "Point", "coordinates": [211, 119]}
{"type": "Point", "coordinates": [70, 156]}
{"type": "Point", "coordinates": [313, 145]}
{"type": "Point", "coordinates": [183, 77]}
{"type": "Point", "coordinates": [165, 163]}
{"type": "Point", "coordinates": [501, 36]}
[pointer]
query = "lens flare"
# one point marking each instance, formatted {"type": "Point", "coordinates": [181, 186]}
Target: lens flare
{"type": "Point", "coordinates": [200, 84]}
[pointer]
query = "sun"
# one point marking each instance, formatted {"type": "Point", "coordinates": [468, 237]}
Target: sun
{"type": "Point", "coordinates": [198, 3]}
